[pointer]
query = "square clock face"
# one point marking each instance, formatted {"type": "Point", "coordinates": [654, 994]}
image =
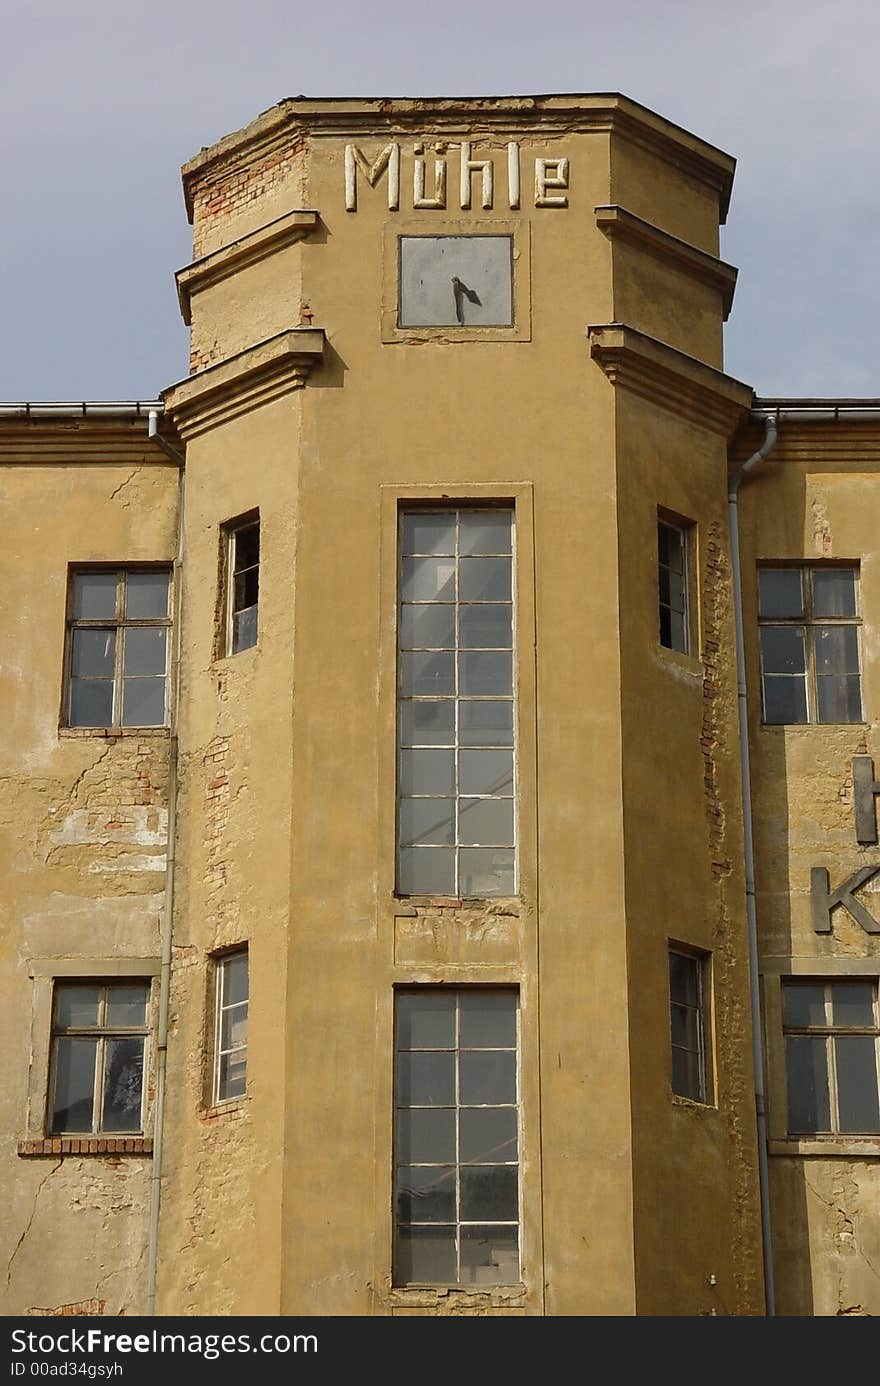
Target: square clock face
{"type": "Point", "coordinates": [456, 281]}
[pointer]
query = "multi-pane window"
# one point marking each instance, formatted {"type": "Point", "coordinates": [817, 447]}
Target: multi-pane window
{"type": "Point", "coordinates": [456, 714]}
{"type": "Point", "coordinates": [230, 1045]}
{"type": "Point", "coordinates": [672, 564]}
{"type": "Point", "coordinates": [456, 1138]}
{"type": "Point", "coordinates": [99, 1036]}
{"type": "Point", "coordinates": [118, 637]}
{"type": "Point", "coordinates": [832, 1044]}
{"type": "Point", "coordinates": [688, 1017]}
{"type": "Point", "coordinates": [809, 625]}
{"type": "Point", "coordinates": [243, 585]}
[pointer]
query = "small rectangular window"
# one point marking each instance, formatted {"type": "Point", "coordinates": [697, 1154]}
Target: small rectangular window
{"type": "Point", "coordinates": [230, 1042]}
{"type": "Point", "coordinates": [672, 574]}
{"type": "Point", "coordinates": [243, 584]}
{"type": "Point", "coordinates": [456, 706]}
{"type": "Point", "coordinates": [809, 633]}
{"type": "Point", "coordinates": [832, 1056]}
{"type": "Point", "coordinates": [688, 1014]}
{"type": "Point", "coordinates": [99, 1037]}
{"type": "Point", "coordinates": [118, 638]}
{"type": "Point", "coordinates": [456, 1185]}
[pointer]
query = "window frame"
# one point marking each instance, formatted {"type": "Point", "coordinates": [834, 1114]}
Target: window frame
{"type": "Point", "coordinates": [468, 1286]}
{"type": "Point", "coordinates": [119, 622]}
{"type": "Point", "coordinates": [221, 962]}
{"type": "Point", "coordinates": [100, 1033]}
{"type": "Point", "coordinates": [230, 531]}
{"type": "Point", "coordinates": [809, 622]}
{"type": "Point", "coordinates": [685, 528]}
{"type": "Point", "coordinates": [456, 508]}
{"type": "Point", "coordinates": [702, 961]}
{"type": "Point", "coordinates": [829, 1031]}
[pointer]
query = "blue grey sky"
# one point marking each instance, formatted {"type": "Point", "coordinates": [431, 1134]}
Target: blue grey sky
{"type": "Point", "coordinates": [102, 100]}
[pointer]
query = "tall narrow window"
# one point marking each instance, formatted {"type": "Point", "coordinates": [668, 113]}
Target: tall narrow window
{"type": "Point", "coordinates": [456, 1138]}
{"type": "Point", "coordinates": [99, 1036]}
{"type": "Point", "coordinates": [243, 569]}
{"type": "Point", "coordinates": [688, 1016]}
{"type": "Point", "coordinates": [118, 637]}
{"type": "Point", "coordinates": [456, 714]}
{"type": "Point", "coordinates": [809, 627]}
{"type": "Point", "coordinates": [672, 574]}
{"type": "Point", "coordinates": [832, 1048]}
{"type": "Point", "coordinates": [230, 1046]}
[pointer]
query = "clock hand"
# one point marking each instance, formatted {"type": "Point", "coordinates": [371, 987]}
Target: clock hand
{"type": "Point", "coordinates": [461, 291]}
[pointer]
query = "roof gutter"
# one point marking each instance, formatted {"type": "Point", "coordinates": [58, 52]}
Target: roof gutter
{"type": "Point", "coordinates": [770, 435]}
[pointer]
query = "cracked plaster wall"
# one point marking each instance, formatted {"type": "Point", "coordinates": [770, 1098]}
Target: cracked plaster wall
{"type": "Point", "coordinates": [83, 835]}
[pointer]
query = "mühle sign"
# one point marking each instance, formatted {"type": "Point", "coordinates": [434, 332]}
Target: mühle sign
{"type": "Point", "coordinates": [431, 190]}
{"type": "Point", "coordinates": [824, 899]}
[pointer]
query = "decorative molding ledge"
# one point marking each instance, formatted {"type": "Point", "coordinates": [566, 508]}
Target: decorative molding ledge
{"type": "Point", "coordinates": [669, 378]}
{"type": "Point", "coordinates": [47, 441]}
{"type": "Point", "coordinates": [249, 250]}
{"type": "Point", "coordinates": [262, 373]}
{"type": "Point", "coordinates": [618, 223]}
{"type": "Point", "coordinates": [508, 117]}
{"type": "Point", "coordinates": [87, 1145]}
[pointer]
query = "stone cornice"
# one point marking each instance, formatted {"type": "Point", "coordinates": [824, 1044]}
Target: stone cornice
{"type": "Point", "coordinates": [471, 117]}
{"type": "Point", "coordinates": [256, 376]}
{"type": "Point", "coordinates": [618, 223]}
{"type": "Point", "coordinates": [249, 250]}
{"type": "Point", "coordinates": [40, 441]}
{"type": "Point", "coordinates": [669, 378]}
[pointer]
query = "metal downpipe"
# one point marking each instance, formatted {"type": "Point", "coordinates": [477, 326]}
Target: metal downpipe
{"type": "Point", "coordinates": [749, 859]}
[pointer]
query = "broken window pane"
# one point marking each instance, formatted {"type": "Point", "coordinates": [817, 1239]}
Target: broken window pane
{"type": "Point", "coordinates": [244, 629]}
{"type": "Point", "coordinates": [247, 546]}
{"type": "Point", "coordinates": [123, 1081]}
{"type": "Point", "coordinates": [489, 1255]}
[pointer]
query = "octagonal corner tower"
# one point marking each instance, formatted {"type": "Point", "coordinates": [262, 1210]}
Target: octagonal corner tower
{"type": "Point", "coordinates": [447, 811]}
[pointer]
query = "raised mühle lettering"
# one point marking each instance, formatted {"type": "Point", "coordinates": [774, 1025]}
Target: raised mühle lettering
{"type": "Point", "coordinates": [551, 176]}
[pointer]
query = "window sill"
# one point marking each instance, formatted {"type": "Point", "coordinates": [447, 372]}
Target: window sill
{"type": "Point", "coordinates": [112, 733]}
{"type": "Point", "coordinates": [812, 726]}
{"type": "Point", "coordinates": [693, 1103]}
{"type": "Point", "coordinates": [831, 1147]}
{"type": "Point", "coordinates": [687, 663]}
{"type": "Point", "coordinates": [87, 1145]}
{"type": "Point", "coordinates": [219, 1109]}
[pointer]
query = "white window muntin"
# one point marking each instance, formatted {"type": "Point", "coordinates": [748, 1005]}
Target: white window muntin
{"type": "Point", "coordinates": [457, 777]}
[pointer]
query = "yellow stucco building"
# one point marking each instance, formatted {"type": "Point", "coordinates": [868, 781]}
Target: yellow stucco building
{"type": "Point", "coordinates": [395, 862]}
